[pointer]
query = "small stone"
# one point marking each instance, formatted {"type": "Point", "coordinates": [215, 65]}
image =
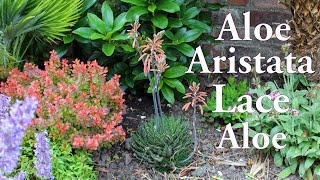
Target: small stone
{"type": "Point", "coordinates": [128, 143]}
{"type": "Point", "coordinates": [140, 99]}
{"type": "Point", "coordinates": [143, 117]}
{"type": "Point", "coordinates": [232, 168]}
{"type": "Point", "coordinates": [128, 159]}
{"type": "Point", "coordinates": [220, 173]}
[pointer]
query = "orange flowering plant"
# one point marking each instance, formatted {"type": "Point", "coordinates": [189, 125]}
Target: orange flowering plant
{"type": "Point", "coordinates": [76, 103]}
{"type": "Point", "coordinates": [154, 62]}
{"type": "Point", "coordinates": [197, 99]}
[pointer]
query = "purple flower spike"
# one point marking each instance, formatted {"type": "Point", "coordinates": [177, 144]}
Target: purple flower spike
{"type": "Point", "coordinates": [43, 160]}
{"type": "Point", "coordinates": [12, 131]}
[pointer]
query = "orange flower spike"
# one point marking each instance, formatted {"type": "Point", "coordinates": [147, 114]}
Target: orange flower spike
{"type": "Point", "coordinates": [197, 98]}
{"type": "Point", "coordinates": [133, 33]}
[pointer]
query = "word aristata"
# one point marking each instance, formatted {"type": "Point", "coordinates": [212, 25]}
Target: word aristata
{"type": "Point", "coordinates": [245, 66]}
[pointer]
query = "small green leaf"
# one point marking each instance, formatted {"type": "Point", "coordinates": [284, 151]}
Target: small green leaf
{"type": "Point", "coordinates": [168, 6]}
{"type": "Point", "coordinates": [96, 36]}
{"type": "Point", "coordinates": [85, 32]}
{"type": "Point", "coordinates": [175, 72]}
{"type": "Point", "coordinates": [152, 8]}
{"type": "Point", "coordinates": [68, 39]}
{"type": "Point", "coordinates": [278, 159]}
{"type": "Point", "coordinates": [127, 48]}
{"type": "Point", "coordinates": [108, 49]}
{"type": "Point", "coordinates": [214, 7]}
{"type": "Point", "coordinates": [135, 12]}
{"type": "Point", "coordinates": [136, 2]}
{"type": "Point", "coordinates": [107, 16]}
{"type": "Point", "coordinates": [175, 83]}
{"type": "Point", "coordinates": [192, 35]}
{"type": "Point", "coordinates": [175, 23]}
{"type": "Point", "coordinates": [120, 21]}
{"type": "Point", "coordinates": [129, 80]}
{"type": "Point", "coordinates": [195, 24]}
{"type": "Point", "coordinates": [96, 23]}
{"type": "Point", "coordinates": [87, 4]}
{"type": "Point", "coordinates": [169, 34]}
{"type": "Point", "coordinates": [160, 21]}
{"type": "Point", "coordinates": [168, 94]}
{"type": "Point", "coordinates": [185, 49]}
{"type": "Point", "coordinates": [284, 173]}
{"type": "Point", "coordinates": [118, 37]}
{"type": "Point", "coordinates": [140, 76]}
{"type": "Point", "coordinates": [191, 13]}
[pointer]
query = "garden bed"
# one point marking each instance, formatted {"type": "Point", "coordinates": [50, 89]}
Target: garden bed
{"type": "Point", "coordinates": [119, 161]}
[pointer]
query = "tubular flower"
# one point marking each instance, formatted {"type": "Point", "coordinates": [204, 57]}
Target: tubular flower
{"type": "Point", "coordinates": [43, 159]}
{"type": "Point", "coordinates": [12, 130]}
{"type": "Point", "coordinates": [197, 98]}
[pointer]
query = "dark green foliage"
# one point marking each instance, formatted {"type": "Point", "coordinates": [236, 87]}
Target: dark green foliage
{"type": "Point", "coordinates": [185, 22]}
{"type": "Point", "coordinates": [164, 148]}
{"type": "Point", "coordinates": [230, 94]}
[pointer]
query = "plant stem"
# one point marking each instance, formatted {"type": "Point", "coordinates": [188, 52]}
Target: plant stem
{"type": "Point", "coordinates": [154, 98]}
{"type": "Point", "coordinates": [158, 98]}
{"type": "Point", "coordinates": [195, 145]}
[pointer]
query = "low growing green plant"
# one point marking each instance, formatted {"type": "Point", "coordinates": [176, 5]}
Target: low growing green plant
{"type": "Point", "coordinates": [301, 125]}
{"type": "Point", "coordinates": [230, 94]}
{"type": "Point", "coordinates": [66, 163]}
{"type": "Point", "coordinates": [166, 147]}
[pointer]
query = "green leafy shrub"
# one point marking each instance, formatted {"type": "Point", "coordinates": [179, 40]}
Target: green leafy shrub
{"type": "Point", "coordinates": [230, 94]}
{"type": "Point", "coordinates": [76, 103]}
{"type": "Point", "coordinates": [124, 60]}
{"type": "Point", "coordinates": [185, 25]}
{"type": "Point", "coordinates": [301, 125]}
{"type": "Point", "coordinates": [166, 147]}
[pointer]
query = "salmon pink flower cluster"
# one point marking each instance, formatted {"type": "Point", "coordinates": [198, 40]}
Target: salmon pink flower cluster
{"type": "Point", "coordinates": [76, 102]}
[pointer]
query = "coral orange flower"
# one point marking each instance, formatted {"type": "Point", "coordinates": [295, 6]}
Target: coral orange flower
{"type": "Point", "coordinates": [197, 98]}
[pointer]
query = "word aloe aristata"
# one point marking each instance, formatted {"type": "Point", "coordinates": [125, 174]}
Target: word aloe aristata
{"type": "Point", "coordinates": [154, 61]}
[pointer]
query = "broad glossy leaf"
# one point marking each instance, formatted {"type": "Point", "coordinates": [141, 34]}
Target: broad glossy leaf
{"type": "Point", "coordinates": [185, 49]}
{"type": "Point", "coordinates": [120, 21]}
{"type": "Point", "coordinates": [168, 6]}
{"type": "Point", "coordinates": [87, 4]}
{"type": "Point", "coordinates": [135, 12]}
{"type": "Point", "coordinates": [167, 93]}
{"type": "Point", "coordinates": [191, 13]}
{"type": "Point", "coordinates": [68, 39]}
{"type": "Point", "coordinates": [152, 8]}
{"type": "Point", "coordinates": [169, 34]}
{"type": "Point", "coordinates": [85, 32]}
{"type": "Point", "coordinates": [192, 35]}
{"type": "Point", "coordinates": [175, 83]}
{"type": "Point", "coordinates": [118, 37]}
{"type": "Point", "coordinates": [140, 76]}
{"type": "Point", "coordinates": [96, 36]}
{"type": "Point", "coordinates": [175, 72]}
{"type": "Point", "coordinates": [107, 16]}
{"type": "Point", "coordinates": [175, 23]}
{"type": "Point", "coordinates": [160, 21]}
{"type": "Point", "coordinates": [195, 24]}
{"type": "Point", "coordinates": [96, 23]}
{"type": "Point", "coordinates": [136, 2]}
{"type": "Point", "coordinates": [108, 49]}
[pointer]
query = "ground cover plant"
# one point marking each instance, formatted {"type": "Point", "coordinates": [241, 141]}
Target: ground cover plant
{"type": "Point", "coordinates": [300, 124]}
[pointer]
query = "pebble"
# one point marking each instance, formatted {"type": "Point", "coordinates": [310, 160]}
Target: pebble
{"type": "Point", "coordinates": [128, 143]}
{"type": "Point", "coordinates": [128, 159]}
